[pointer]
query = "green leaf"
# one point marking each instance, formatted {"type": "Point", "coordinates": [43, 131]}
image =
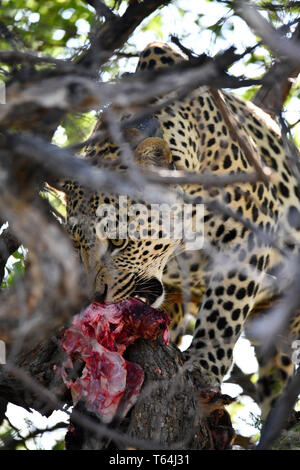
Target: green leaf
{"type": "Point", "coordinates": [16, 270]}
{"type": "Point", "coordinates": [60, 445]}
{"type": "Point", "coordinates": [155, 25]}
{"type": "Point", "coordinates": [78, 126]}
{"type": "Point", "coordinates": [18, 255]}
{"type": "Point", "coordinates": [249, 94]}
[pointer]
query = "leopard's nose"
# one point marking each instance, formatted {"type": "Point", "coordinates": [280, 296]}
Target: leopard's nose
{"type": "Point", "coordinates": [100, 295]}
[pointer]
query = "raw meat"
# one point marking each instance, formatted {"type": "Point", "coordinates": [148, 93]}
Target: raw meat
{"type": "Point", "coordinates": [96, 342]}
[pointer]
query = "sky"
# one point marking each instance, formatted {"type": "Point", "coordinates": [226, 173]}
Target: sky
{"type": "Point", "coordinates": [200, 40]}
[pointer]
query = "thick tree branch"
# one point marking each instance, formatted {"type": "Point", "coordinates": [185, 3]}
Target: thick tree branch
{"type": "Point", "coordinates": [102, 9]}
{"type": "Point", "coordinates": [279, 415]}
{"type": "Point", "coordinates": [52, 96]}
{"type": "Point", "coordinates": [49, 292]}
{"type": "Point", "coordinates": [167, 414]}
{"type": "Point", "coordinates": [271, 97]}
{"type": "Point", "coordinates": [115, 32]}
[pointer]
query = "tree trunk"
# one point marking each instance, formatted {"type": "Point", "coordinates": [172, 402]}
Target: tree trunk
{"type": "Point", "coordinates": [167, 414]}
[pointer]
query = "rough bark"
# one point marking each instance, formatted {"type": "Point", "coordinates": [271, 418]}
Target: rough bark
{"type": "Point", "coordinates": [278, 83]}
{"type": "Point", "coordinates": [38, 365]}
{"type": "Point", "coordinates": [170, 412]}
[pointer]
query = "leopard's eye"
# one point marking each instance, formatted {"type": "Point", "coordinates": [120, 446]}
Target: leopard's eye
{"type": "Point", "coordinates": [117, 243]}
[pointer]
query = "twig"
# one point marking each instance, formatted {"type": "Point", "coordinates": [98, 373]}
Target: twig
{"type": "Point", "coordinates": [99, 429]}
{"type": "Point", "coordinates": [58, 214]}
{"type": "Point", "coordinates": [250, 154]}
{"type": "Point", "coordinates": [280, 46]}
{"type": "Point", "coordinates": [127, 55]}
{"type": "Point", "coordinates": [10, 442]}
{"type": "Point", "coordinates": [9, 36]}
{"type": "Point", "coordinates": [61, 163]}
{"type": "Point", "coordinates": [13, 57]}
{"type": "Point", "coordinates": [237, 376]}
{"type": "Point", "coordinates": [272, 7]}
{"type": "Point", "coordinates": [185, 50]}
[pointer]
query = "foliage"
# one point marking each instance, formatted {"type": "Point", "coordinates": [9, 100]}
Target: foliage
{"type": "Point", "coordinates": [60, 445]}
{"type": "Point", "coordinates": [51, 27]}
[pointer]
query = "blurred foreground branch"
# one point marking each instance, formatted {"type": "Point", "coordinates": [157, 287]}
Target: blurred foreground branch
{"type": "Point", "coordinates": [42, 302]}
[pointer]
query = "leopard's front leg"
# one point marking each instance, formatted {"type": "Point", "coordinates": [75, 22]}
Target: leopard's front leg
{"type": "Point", "coordinates": [229, 298]}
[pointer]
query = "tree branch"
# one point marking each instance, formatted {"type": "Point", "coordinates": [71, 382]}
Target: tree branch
{"type": "Point", "coordinates": [250, 154]}
{"type": "Point", "coordinates": [114, 33]}
{"type": "Point", "coordinates": [102, 9]}
{"type": "Point", "coordinates": [165, 416]}
{"type": "Point", "coordinates": [281, 47]}
{"type": "Point", "coordinates": [280, 413]}
{"type": "Point", "coordinates": [271, 96]}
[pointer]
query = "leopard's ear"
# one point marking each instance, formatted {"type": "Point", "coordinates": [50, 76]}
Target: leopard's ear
{"type": "Point", "coordinates": [154, 151]}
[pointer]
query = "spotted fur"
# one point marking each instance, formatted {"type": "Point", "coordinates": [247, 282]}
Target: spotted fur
{"type": "Point", "coordinates": [222, 284]}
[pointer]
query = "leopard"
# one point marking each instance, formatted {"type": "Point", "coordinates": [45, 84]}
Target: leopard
{"type": "Point", "coordinates": [251, 229]}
